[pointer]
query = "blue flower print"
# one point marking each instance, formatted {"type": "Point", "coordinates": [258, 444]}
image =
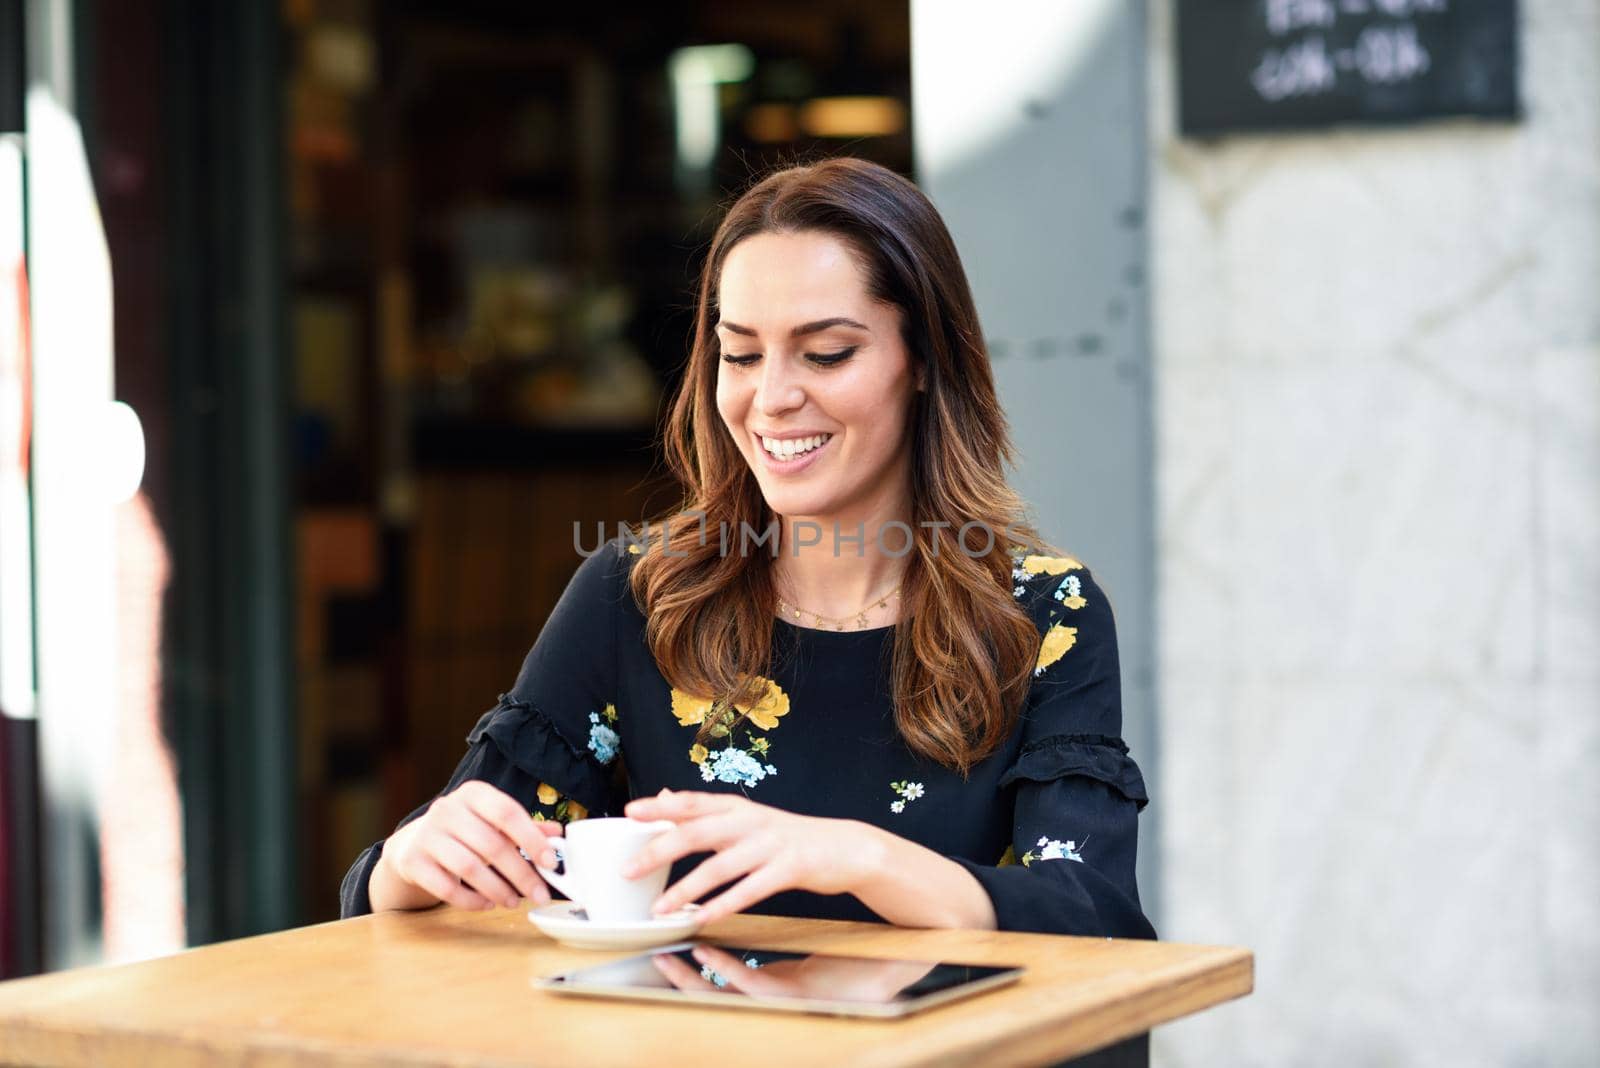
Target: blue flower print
{"type": "Point", "coordinates": [1070, 592]}
{"type": "Point", "coordinates": [603, 741]}
{"type": "Point", "coordinates": [734, 765]}
{"type": "Point", "coordinates": [1026, 566]}
{"type": "Point", "coordinates": [1053, 849]}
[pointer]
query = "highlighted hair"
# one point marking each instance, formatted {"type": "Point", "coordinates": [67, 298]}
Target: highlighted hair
{"type": "Point", "coordinates": [964, 649]}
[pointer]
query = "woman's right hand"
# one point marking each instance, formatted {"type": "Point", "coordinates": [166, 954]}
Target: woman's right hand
{"type": "Point", "coordinates": [463, 850]}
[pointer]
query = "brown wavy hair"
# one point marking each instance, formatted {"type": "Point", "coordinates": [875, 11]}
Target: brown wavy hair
{"type": "Point", "coordinates": [964, 649]}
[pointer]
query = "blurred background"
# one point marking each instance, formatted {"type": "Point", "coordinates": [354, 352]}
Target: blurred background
{"type": "Point", "coordinates": [323, 321]}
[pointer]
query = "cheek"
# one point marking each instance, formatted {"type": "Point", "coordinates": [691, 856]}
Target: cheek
{"type": "Point", "coordinates": [728, 406]}
{"type": "Point", "coordinates": [876, 409]}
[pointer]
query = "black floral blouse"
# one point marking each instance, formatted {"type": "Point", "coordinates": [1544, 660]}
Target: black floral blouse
{"type": "Point", "coordinates": [1047, 824]}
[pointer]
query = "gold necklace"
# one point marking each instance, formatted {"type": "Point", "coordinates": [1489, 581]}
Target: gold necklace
{"type": "Point", "coordinates": [861, 620]}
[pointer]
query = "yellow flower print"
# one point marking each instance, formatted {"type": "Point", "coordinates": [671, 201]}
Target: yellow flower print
{"type": "Point", "coordinates": [566, 809]}
{"type": "Point", "coordinates": [697, 753]}
{"type": "Point", "coordinates": [1049, 565]}
{"type": "Point", "coordinates": [610, 712]}
{"type": "Point", "coordinates": [634, 548]}
{"type": "Point", "coordinates": [689, 710]}
{"type": "Point", "coordinates": [766, 712]}
{"type": "Point", "coordinates": [1057, 640]}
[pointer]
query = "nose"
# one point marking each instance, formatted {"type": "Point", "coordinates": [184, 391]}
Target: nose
{"type": "Point", "coordinates": [779, 390]}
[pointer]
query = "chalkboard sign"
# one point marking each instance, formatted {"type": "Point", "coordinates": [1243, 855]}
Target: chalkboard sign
{"type": "Point", "coordinates": [1279, 64]}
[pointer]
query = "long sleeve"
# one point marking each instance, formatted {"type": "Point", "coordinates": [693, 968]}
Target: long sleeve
{"type": "Point", "coordinates": [1077, 792]}
{"type": "Point", "coordinates": [551, 742]}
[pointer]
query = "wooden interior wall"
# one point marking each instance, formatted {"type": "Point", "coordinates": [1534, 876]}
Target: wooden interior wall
{"type": "Point", "coordinates": [491, 555]}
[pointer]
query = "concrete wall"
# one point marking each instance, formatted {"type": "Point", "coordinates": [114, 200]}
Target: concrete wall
{"type": "Point", "coordinates": [1377, 367]}
{"type": "Point", "coordinates": [1038, 167]}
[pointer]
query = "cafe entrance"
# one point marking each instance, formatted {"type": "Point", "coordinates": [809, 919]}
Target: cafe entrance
{"type": "Point", "coordinates": [387, 294]}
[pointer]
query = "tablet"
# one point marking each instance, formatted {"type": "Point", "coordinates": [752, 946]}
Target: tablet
{"type": "Point", "coordinates": [738, 976]}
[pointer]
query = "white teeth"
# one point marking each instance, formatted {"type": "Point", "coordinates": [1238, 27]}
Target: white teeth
{"type": "Point", "coordinates": [788, 448]}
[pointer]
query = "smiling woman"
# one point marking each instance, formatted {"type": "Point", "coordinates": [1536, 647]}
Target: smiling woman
{"type": "Point", "coordinates": [942, 749]}
{"type": "Point", "coordinates": [828, 398]}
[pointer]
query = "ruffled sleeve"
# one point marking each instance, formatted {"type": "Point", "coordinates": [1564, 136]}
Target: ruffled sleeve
{"type": "Point", "coordinates": [552, 741]}
{"type": "Point", "coordinates": [1077, 792]}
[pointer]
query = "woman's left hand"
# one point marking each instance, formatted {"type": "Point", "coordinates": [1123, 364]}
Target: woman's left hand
{"type": "Point", "coordinates": [774, 850]}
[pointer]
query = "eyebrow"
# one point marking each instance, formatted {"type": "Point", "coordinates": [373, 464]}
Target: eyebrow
{"type": "Point", "coordinates": [799, 331]}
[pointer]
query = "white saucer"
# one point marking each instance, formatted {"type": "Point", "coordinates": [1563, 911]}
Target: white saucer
{"type": "Point", "coordinates": [557, 920]}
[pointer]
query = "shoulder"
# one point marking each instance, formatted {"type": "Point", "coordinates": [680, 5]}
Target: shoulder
{"type": "Point", "coordinates": [1076, 676]}
{"type": "Point", "coordinates": [1053, 587]}
{"type": "Point", "coordinates": [1072, 612]}
{"type": "Point", "coordinates": [601, 577]}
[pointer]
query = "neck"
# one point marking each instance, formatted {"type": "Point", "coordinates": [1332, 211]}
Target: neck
{"type": "Point", "coordinates": [840, 579]}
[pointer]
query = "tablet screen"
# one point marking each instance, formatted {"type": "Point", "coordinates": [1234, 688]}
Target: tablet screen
{"type": "Point", "coordinates": [730, 975]}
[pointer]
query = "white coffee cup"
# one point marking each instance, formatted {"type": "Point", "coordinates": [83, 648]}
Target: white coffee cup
{"type": "Point", "coordinates": [594, 852]}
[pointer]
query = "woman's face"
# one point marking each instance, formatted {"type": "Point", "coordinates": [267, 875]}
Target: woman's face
{"type": "Point", "coordinates": [814, 381]}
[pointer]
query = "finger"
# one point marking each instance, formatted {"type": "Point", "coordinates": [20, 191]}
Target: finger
{"type": "Point", "coordinates": [718, 960]}
{"type": "Point", "coordinates": [699, 835]}
{"type": "Point", "coordinates": [740, 975]}
{"type": "Point", "coordinates": [711, 873]}
{"type": "Point", "coordinates": [499, 809]}
{"type": "Point", "coordinates": [430, 876]}
{"type": "Point", "coordinates": [494, 848]}
{"type": "Point", "coordinates": [682, 804]}
{"type": "Point", "coordinates": [546, 857]}
{"type": "Point", "coordinates": [475, 871]}
{"type": "Point", "coordinates": [757, 886]}
{"type": "Point", "coordinates": [681, 975]}
{"type": "Point", "coordinates": [503, 812]}
{"type": "Point", "coordinates": [458, 859]}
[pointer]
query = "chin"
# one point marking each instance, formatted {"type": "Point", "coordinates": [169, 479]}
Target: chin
{"type": "Point", "coordinates": [789, 505]}
{"type": "Point", "coordinates": [797, 504]}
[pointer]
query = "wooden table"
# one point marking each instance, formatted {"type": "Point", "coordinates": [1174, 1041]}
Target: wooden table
{"type": "Point", "coordinates": [450, 987]}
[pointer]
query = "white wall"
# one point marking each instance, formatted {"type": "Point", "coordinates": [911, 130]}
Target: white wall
{"type": "Point", "coordinates": [1377, 367]}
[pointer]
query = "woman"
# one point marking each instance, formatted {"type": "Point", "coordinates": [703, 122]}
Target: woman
{"type": "Point", "coordinates": [849, 673]}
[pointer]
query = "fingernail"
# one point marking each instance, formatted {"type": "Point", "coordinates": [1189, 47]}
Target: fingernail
{"type": "Point", "coordinates": [664, 790]}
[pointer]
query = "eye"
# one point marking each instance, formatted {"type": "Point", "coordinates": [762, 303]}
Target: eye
{"type": "Point", "coordinates": [828, 359]}
{"type": "Point", "coordinates": [740, 361]}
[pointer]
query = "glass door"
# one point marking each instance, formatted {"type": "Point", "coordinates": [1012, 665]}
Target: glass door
{"type": "Point", "coordinates": [81, 452]}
